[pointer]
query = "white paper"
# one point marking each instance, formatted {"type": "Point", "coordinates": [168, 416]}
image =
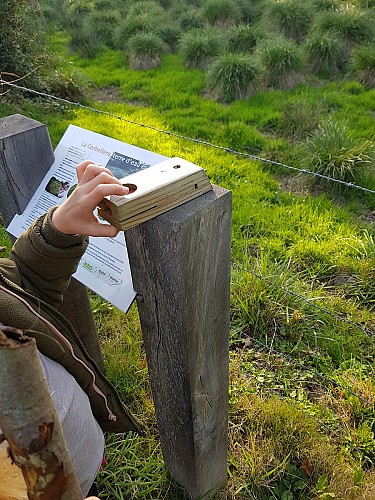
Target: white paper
{"type": "Point", "coordinates": [104, 268]}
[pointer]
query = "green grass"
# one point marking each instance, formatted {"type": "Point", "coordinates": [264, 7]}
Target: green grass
{"type": "Point", "coordinates": [292, 433]}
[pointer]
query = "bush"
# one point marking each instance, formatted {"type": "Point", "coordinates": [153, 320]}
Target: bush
{"type": "Point", "coordinates": [232, 76]}
{"type": "Point", "coordinates": [145, 51]}
{"type": "Point", "coordinates": [283, 63]}
{"type": "Point", "coordinates": [362, 64]}
{"type": "Point", "coordinates": [220, 12]}
{"type": "Point", "coordinates": [242, 38]}
{"type": "Point", "coordinates": [198, 48]}
{"type": "Point", "coordinates": [325, 52]}
{"type": "Point", "coordinates": [291, 18]}
{"type": "Point", "coordinates": [333, 152]}
{"type": "Point", "coordinates": [21, 44]}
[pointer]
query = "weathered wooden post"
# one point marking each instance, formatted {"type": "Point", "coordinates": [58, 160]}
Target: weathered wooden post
{"type": "Point", "coordinates": [180, 263]}
{"type": "Point", "coordinates": [26, 155]}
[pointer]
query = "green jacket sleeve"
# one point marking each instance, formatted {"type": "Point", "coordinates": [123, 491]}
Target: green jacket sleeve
{"type": "Point", "coordinates": [43, 260]}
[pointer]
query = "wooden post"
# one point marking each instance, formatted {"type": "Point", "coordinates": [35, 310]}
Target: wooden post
{"type": "Point", "coordinates": [180, 263]}
{"type": "Point", "coordinates": [25, 157]}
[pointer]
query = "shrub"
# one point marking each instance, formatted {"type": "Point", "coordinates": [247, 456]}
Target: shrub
{"type": "Point", "coordinates": [291, 18]}
{"type": "Point", "coordinates": [232, 76]}
{"type": "Point", "coordinates": [21, 45]}
{"type": "Point", "coordinates": [242, 38]}
{"type": "Point", "coordinates": [283, 63]}
{"type": "Point", "coordinates": [351, 24]}
{"type": "Point", "coordinates": [333, 152]}
{"type": "Point", "coordinates": [198, 48]}
{"type": "Point", "coordinates": [325, 52]}
{"type": "Point", "coordinates": [220, 12]}
{"type": "Point", "coordinates": [362, 64]}
{"type": "Point", "coordinates": [145, 51]}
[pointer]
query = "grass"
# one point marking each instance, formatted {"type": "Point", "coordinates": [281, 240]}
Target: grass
{"type": "Point", "coordinates": [296, 431]}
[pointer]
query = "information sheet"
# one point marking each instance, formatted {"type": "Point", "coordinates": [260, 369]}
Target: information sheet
{"type": "Point", "coordinates": [104, 268]}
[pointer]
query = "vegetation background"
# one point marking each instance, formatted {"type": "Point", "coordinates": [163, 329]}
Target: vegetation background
{"type": "Point", "coordinates": [275, 84]}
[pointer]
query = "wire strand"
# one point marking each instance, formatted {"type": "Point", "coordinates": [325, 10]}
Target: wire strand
{"type": "Point", "coordinates": [184, 137]}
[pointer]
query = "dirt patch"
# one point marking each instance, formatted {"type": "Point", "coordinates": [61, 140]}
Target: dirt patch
{"type": "Point", "coordinates": [107, 94]}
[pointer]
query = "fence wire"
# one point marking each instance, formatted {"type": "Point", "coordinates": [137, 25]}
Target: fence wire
{"type": "Point", "coordinates": [184, 137]}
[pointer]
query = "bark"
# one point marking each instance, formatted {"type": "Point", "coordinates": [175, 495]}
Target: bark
{"type": "Point", "coordinates": [29, 421]}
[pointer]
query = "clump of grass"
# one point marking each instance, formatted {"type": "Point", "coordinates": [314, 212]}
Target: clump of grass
{"type": "Point", "coordinates": [271, 441]}
{"type": "Point", "coordinates": [362, 64]}
{"type": "Point", "coordinates": [187, 17]}
{"type": "Point", "coordinates": [242, 38]}
{"type": "Point", "coordinates": [220, 12]}
{"type": "Point", "coordinates": [198, 48]}
{"type": "Point", "coordinates": [325, 52]}
{"type": "Point", "coordinates": [300, 118]}
{"type": "Point", "coordinates": [232, 76]}
{"type": "Point", "coordinates": [131, 26]}
{"type": "Point", "coordinates": [290, 18]}
{"type": "Point", "coordinates": [353, 25]}
{"type": "Point", "coordinates": [242, 137]}
{"type": "Point", "coordinates": [145, 51]}
{"type": "Point", "coordinates": [283, 63]}
{"type": "Point", "coordinates": [99, 26]}
{"type": "Point", "coordinates": [332, 151]}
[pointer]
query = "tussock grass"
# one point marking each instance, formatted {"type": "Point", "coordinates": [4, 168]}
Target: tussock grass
{"type": "Point", "coordinates": [282, 61]}
{"type": "Point", "coordinates": [198, 48]}
{"type": "Point", "coordinates": [325, 52]}
{"type": "Point", "coordinates": [333, 152]}
{"type": "Point", "coordinates": [233, 76]}
{"type": "Point", "coordinates": [362, 64]}
{"type": "Point", "coordinates": [145, 51]}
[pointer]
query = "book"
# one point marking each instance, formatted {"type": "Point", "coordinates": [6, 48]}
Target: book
{"type": "Point", "coordinates": [154, 191]}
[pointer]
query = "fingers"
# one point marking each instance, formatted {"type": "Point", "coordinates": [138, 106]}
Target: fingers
{"type": "Point", "coordinates": [92, 170]}
{"type": "Point", "coordinates": [81, 168]}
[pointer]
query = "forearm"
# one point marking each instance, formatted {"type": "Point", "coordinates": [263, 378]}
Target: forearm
{"type": "Point", "coordinates": [46, 258]}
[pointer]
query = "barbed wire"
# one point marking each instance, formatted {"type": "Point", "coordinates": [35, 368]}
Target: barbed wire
{"type": "Point", "coordinates": [307, 301]}
{"type": "Point", "coordinates": [187, 138]}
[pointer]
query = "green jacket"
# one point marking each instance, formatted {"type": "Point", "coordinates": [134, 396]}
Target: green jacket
{"type": "Point", "coordinates": [32, 282]}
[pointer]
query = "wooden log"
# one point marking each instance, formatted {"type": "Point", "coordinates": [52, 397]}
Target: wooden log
{"type": "Point", "coordinates": [25, 157]}
{"type": "Point", "coordinates": [29, 421]}
{"type": "Point", "coordinates": [180, 263]}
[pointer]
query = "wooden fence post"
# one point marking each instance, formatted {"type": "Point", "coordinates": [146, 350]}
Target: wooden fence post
{"type": "Point", "coordinates": [180, 264]}
{"type": "Point", "coordinates": [25, 157]}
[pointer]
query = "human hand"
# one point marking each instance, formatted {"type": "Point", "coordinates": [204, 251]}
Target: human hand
{"type": "Point", "coordinates": [75, 215]}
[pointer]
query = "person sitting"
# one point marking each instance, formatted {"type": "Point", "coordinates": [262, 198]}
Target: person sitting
{"type": "Point", "coordinates": [32, 283]}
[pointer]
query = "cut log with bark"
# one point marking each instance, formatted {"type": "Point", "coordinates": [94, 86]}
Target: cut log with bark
{"type": "Point", "coordinates": [29, 421]}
